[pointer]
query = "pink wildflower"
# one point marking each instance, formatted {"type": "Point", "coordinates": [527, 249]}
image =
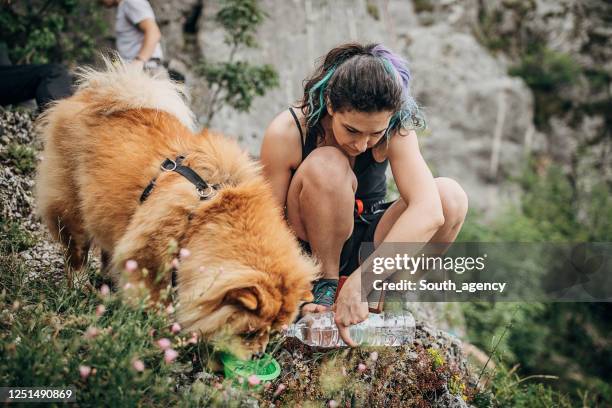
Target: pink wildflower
{"type": "Point", "coordinates": [170, 355]}
{"type": "Point", "coordinates": [91, 332]}
{"type": "Point", "coordinates": [131, 265]}
{"type": "Point", "coordinates": [104, 290]}
{"type": "Point", "coordinates": [84, 371]}
{"type": "Point", "coordinates": [100, 310]}
{"type": "Point", "coordinates": [254, 380]}
{"type": "Point", "coordinates": [281, 387]}
{"type": "Point", "coordinates": [164, 343]}
{"type": "Point", "coordinates": [193, 339]}
{"type": "Point", "coordinates": [138, 365]}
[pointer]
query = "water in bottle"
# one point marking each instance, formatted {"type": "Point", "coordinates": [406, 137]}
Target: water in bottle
{"type": "Point", "coordinates": [384, 329]}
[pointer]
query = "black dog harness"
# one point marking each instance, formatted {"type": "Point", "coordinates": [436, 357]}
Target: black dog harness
{"type": "Point", "coordinates": [204, 190]}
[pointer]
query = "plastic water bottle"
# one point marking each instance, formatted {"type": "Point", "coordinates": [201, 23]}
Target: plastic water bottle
{"type": "Point", "coordinates": [384, 329]}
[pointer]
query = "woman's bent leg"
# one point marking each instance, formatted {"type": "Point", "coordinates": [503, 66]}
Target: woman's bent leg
{"type": "Point", "coordinates": [320, 205]}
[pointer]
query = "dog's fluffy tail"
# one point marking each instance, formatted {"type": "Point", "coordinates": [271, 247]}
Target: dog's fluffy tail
{"type": "Point", "coordinates": [121, 87]}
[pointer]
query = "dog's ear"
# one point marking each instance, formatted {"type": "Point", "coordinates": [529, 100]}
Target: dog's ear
{"type": "Point", "coordinates": [245, 297]}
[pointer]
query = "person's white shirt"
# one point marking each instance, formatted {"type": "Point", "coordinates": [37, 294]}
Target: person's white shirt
{"type": "Point", "coordinates": [129, 37]}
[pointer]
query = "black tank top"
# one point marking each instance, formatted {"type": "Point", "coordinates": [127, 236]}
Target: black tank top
{"type": "Point", "coordinates": [371, 175]}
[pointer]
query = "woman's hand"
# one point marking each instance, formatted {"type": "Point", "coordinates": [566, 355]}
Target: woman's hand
{"type": "Point", "coordinates": [349, 308]}
{"type": "Point", "coordinates": [313, 308]}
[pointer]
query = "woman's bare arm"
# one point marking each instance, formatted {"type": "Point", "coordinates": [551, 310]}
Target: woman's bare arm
{"type": "Point", "coordinates": [418, 223]}
{"type": "Point", "coordinates": [280, 153]}
{"type": "Point", "coordinates": [417, 187]}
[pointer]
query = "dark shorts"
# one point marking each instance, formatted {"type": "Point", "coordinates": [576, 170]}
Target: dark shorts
{"type": "Point", "coordinates": [363, 231]}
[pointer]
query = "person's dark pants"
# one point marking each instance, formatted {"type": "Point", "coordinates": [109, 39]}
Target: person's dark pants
{"type": "Point", "coordinates": [45, 83]}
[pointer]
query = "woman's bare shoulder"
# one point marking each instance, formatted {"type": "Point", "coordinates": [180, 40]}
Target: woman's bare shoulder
{"type": "Point", "coordinates": [282, 138]}
{"type": "Point", "coordinates": [284, 125]}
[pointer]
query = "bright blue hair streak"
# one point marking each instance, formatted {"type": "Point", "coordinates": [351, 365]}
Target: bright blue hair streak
{"type": "Point", "coordinates": [313, 116]}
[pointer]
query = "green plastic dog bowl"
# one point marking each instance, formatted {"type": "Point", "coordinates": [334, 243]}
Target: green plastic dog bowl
{"type": "Point", "coordinates": [266, 368]}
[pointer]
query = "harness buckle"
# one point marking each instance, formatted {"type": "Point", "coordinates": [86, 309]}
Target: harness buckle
{"type": "Point", "coordinates": [206, 193]}
{"type": "Point", "coordinates": [170, 162]}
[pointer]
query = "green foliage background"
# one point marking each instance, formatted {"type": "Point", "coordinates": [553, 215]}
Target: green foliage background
{"type": "Point", "coordinates": [567, 340]}
{"type": "Point", "coordinates": [42, 31]}
{"type": "Point", "coordinates": [561, 202]}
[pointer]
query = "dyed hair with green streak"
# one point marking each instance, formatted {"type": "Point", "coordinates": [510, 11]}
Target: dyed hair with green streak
{"type": "Point", "coordinates": [367, 78]}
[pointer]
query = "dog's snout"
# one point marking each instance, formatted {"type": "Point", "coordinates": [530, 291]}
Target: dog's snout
{"type": "Point", "coordinates": [257, 355]}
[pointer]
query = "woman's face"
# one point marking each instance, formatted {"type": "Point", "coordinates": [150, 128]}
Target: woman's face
{"type": "Point", "coordinates": [357, 131]}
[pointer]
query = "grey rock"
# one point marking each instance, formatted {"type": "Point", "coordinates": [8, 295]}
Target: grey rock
{"type": "Point", "coordinates": [480, 119]}
{"type": "Point", "coordinates": [448, 400]}
{"type": "Point", "coordinates": [465, 91]}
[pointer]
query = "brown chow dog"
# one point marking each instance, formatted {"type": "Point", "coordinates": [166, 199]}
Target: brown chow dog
{"type": "Point", "coordinates": [246, 274]}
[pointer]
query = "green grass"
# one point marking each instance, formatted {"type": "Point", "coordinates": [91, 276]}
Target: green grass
{"type": "Point", "coordinates": [44, 324]}
{"type": "Point", "coordinates": [43, 342]}
{"type": "Point", "coordinates": [13, 238]}
{"type": "Point", "coordinates": [45, 337]}
{"type": "Point", "coordinates": [507, 389]}
{"type": "Point", "coordinates": [43, 327]}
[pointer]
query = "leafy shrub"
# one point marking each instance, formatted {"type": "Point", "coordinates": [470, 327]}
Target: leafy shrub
{"type": "Point", "coordinates": [553, 338]}
{"type": "Point", "coordinates": [236, 83]}
{"type": "Point", "coordinates": [40, 31]}
{"type": "Point", "coordinates": [547, 72]}
{"type": "Point", "coordinates": [551, 210]}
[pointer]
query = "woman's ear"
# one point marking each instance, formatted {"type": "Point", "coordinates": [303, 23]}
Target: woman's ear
{"type": "Point", "coordinates": [330, 111]}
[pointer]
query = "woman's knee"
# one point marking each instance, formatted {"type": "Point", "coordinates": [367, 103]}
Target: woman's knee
{"type": "Point", "coordinates": [328, 171]}
{"type": "Point", "coordinates": [454, 201]}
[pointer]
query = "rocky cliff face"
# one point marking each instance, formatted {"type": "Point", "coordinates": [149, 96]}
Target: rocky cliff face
{"type": "Point", "coordinates": [480, 119]}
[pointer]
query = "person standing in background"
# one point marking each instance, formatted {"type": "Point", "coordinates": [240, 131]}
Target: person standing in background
{"type": "Point", "coordinates": [138, 36]}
